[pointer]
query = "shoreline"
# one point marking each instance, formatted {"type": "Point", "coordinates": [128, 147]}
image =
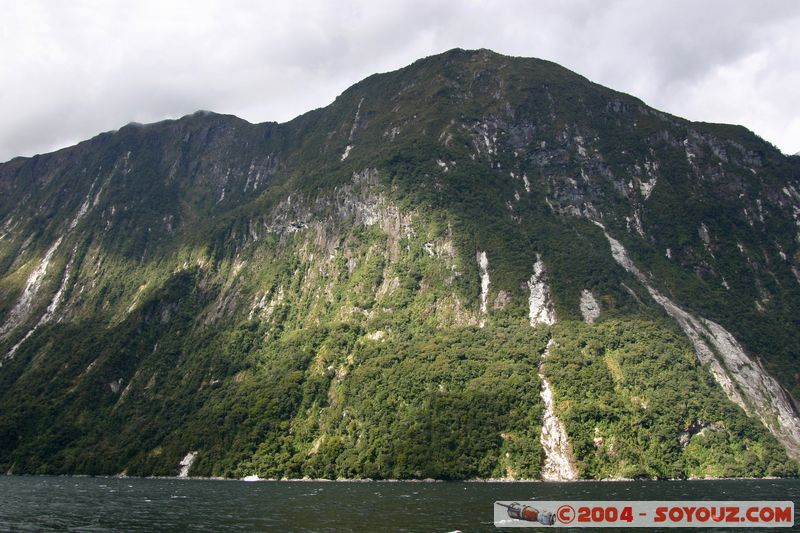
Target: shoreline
{"type": "Point", "coordinates": [255, 479]}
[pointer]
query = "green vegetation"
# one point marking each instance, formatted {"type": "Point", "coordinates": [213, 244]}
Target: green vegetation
{"type": "Point", "coordinates": [636, 403]}
{"type": "Point", "coordinates": [247, 292]}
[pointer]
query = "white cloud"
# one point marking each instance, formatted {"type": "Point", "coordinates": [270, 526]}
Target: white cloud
{"type": "Point", "coordinates": [71, 70]}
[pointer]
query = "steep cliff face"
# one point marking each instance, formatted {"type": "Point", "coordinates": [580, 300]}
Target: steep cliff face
{"type": "Point", "coordinates": [366, 291]}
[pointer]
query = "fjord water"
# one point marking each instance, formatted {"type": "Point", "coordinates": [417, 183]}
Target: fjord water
{"type": "Point", "coordinates": [126, 504]}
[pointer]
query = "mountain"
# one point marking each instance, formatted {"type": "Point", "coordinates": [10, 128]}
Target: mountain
{"type": "Point", "coordinates": [475, 266]}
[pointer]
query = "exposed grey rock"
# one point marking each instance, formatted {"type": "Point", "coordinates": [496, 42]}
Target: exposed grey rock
{"type": "Point", "coordinates": [540, 305]}
{"type": "Point", "coordinates": [590, 309]}
{"type": "Point", "coordinates": [743, 379]}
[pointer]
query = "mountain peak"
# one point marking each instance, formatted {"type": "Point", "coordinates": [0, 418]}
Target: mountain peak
{"type": "Point", "coordinates": [407, 283]}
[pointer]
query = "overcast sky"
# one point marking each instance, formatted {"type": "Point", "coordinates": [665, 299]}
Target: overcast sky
{"type": "Point", "coordinates": [69, 70]}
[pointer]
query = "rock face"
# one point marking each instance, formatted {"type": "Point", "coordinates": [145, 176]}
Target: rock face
{"type": "Point", "coordinates": [483, 264]}
{"type": "Point", "coordinates": [186, 464]}
{"type": "Point", "coordinates": [590, 309]}
{"type": "Point", "coordinates": [744, 380]}
{"type": "Point", "coordinates": [364, 291]}
{"type": "Point", "coordinates": [558, 465]}
{"type": "Point", "coordinates": [22, 307]}
{"type": "Point", "coordinates": [540, 305]}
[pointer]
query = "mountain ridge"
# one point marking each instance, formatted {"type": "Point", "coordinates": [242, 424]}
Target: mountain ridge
{"type": "Point", "coordinates": [435, 224]}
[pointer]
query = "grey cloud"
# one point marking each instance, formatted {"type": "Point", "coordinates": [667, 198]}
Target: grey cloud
{"type": "Point", "coordinates": [71, 70]}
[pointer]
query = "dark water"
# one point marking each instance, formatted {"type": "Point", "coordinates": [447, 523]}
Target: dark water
{"type": "Point", "coordinates": [112, 504]}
